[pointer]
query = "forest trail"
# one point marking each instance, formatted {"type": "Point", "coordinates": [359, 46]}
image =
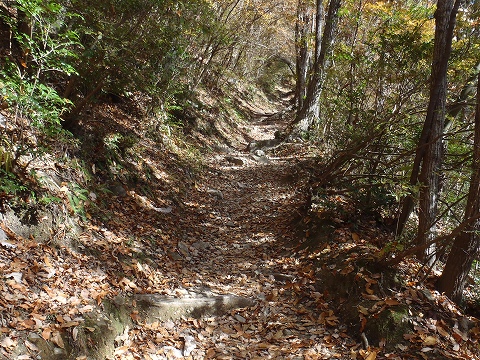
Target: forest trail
{"type": "Point", "coordinates": [225, 236]}
{"type": "Point", "coordinates": [234, 239]}
{"type": "Point", "coordinates": [210, 264]}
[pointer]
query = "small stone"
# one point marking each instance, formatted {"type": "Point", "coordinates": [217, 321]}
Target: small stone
{"type": "Point", "coordinates": [189, 345]}
{"type": "Point", "coordinates": [174, 255]}
{"type": "Point", "coordinates": [118, 190]}
{"type": "Point", "coordinates": [92, 196]}
{"type": "Point", "coordinates": [252, 146]}
{"type": "Point", "coordinates": [242, 185]}
{"type": "Point", "coordinates": [59, 351]}
{"type": "Point", "coordinates": [234, 160]}
{"type": "Point", "coordinates": [200, 245]}
{"type": "Point", "coordinates": [240, 319]}
{"type": "Point", "coordinates": [217, 193]}
{"type": "Point", "coordinates": [169, 325]}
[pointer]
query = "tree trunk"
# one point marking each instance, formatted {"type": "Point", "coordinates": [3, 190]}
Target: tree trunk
{"type": "Point", "coordinates": [466, 246]}
{"type": "Point", "coordinates": [429, 154]}
{"type": "Point", "coordinates": [430, 175]}
{"type": "Point", "coordinates": [309, 113]}
{"type": "Point", "coordinates": [303, 30]}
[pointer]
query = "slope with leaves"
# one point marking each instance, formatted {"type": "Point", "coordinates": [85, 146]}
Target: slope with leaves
{"type": "Point", "coordinates": [223, 226]}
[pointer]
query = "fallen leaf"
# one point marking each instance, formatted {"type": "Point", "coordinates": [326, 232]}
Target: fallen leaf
{"type": "Point", "coordinates": [426, 349]}
{"type": "Point", "coordinates": [391, 302]}
{"type": "Point", "coordinates": [7, 343]}
{"type": "Point", "coordinates": [371, 297]}
{"type": "Point", "coordinates": [368, 289]}
{"type": "Point", "coordinates": [46, 333]}
{"type": "Point", "coordinates": [363, 310]}
{"type": "Point", "coordinates": [57, 340]}
{"type": "Point", "coordinates": [430, 341]}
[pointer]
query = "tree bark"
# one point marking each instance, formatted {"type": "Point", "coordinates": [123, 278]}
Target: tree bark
{"type": "Point", "coordinates": [303, 29]}
{"type": "Point", "coordinates": [466, 246]}
{"type": "Point", "coordinates": [429, 154]}
{"type": "Point", "coordinates": [309, 113]}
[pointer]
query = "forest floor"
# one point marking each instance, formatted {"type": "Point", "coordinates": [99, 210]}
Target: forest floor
{"type": "Point", "coordinates": [232, 228]}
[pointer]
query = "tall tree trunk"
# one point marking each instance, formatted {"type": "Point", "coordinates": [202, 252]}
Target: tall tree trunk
{"type": "Point", "coordinates": [308, 115]}
{"type": "Point", "coordinates": [303, 30]}
{"type": "Point", "coordinates": [466, 246]}
{"type": "Point", "coordinates": [429, 154]}
{"type": "Point", "coordinates": [430, 175]}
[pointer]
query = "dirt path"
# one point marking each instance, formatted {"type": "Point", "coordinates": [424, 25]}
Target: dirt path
{"type": "Point", "coordinates": [233, 241]}
{"type": "Point", "coordinates": [226, 236]}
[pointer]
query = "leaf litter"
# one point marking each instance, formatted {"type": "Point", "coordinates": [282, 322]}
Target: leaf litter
{"type": "Point", "coordinates": [243, 243]}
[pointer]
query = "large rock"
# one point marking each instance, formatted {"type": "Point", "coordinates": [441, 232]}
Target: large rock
{"type": "Point", "coordinates": [154, 307]}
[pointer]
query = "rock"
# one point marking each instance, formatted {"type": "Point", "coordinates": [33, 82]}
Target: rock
{"type": "Point", "coordinates": [262, 144]}
{"type": "Point", "coordinates": [40, 224]}
{"type": "Point", "coordinates": [234, 160]}
{"type": "Point", "coordinates": [240, 319]}
{"type": "Point", "coordinates": [241, 185]}
{"type": "Point", "coordinates": [154, 307]}
{"type": "Point", "coordinates": [217, 193]}
{"type": "Point", "coordinates": [174, 255]}
{"type": "Point", "coordinates": [118, 190]}
{"type": "Point", "coordinates": [172, 352]}
{"type": "Point", "coordinates": [166, 210]}
{"type": "Point", "coordinates": [260, 159]}
{"type": "Point", "coordinates": [7, 244]}
{"type": "Point", "coordinates": [183, 249]}
{"type": "Point", "coordinates": [252, 146]}
{"type": "Point", "coordinates": [189, 345]}
{"type": "Point", "coordinates": [59, 352]}
{"type": "Point", "coordinates": [283, 278]}
{"type": "Point", "coordinates": [201, 245]}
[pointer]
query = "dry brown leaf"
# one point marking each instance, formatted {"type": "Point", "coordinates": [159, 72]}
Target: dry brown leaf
{"type": "Point", "coordinates": [56, 338]}
{"type": "Point", "coordinates": [7, 343]}
{"type": "Point", "coordinates": [430, 341]}
{"type": "Point", "coordinates": [442, 331]}
{"type": "Point", "coordinates": [46, 333]}
{"type": "Point", "coordinates": [347, 270]}
{"type": "Point", "coordinates": [363, 323]}
{"type": "Point", "coordinates": [392, 302]}
{"type": "Point", "coordinates": [46, 259]}
{"type": "Point", "coordinates": [69, 324]}
{"type": "Point", "coordinates": [368, 289]}
{"type": "Point", "coordinates": [371, 297]}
